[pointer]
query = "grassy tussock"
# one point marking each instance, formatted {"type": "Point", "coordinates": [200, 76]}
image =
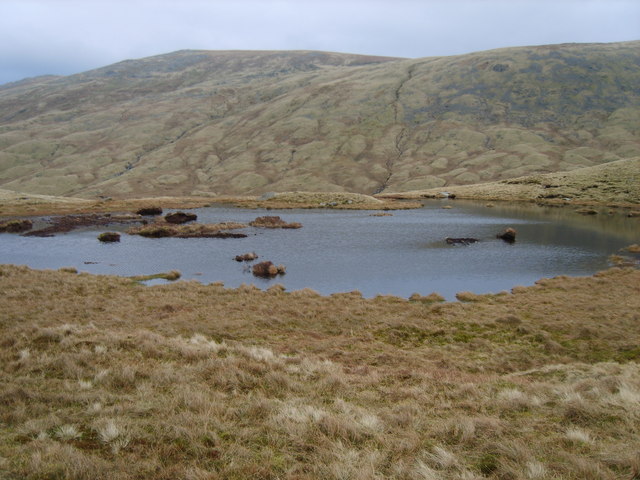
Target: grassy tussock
{"type": "Point", "coordinates": [191, 230]}
{"type": "Point", "coordinates": [103, 378]}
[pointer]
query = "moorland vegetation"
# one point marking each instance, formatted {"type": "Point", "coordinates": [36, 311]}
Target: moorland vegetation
{"type": "Point", "coordinates": [105, 378]}
{"type": "Point", "coordinates": [215, 123]}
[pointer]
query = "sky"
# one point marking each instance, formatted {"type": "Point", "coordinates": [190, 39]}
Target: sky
{"type": "Point", "coordinates": [62, 37]}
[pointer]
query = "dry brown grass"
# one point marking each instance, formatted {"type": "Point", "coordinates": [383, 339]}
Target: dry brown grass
{"type": "Point", "coordinates": [104, 378]}
{"type": "Point", "coordinates": [273, 222]}
{"type": "Point", "coordinates": [191, 230]}
{"type": "Point", "coordinates": [16, 203]}
{"type": "Point", "coordinates": [615, 184]}
{"type": "Point", "coordinates": [331, 200]}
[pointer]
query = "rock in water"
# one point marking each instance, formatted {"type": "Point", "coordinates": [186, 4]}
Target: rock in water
{"type": "Point", "coordinates": [509, 235]}
{"type": "Point", "coordinates": [267, 269]}
{"type": "Point", "coordinates": [246, 257]}
{"type": "Point", "coordinates": [460, 241]}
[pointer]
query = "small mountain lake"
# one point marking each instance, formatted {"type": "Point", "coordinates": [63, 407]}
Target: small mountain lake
{"type": "Point", "coordinates": [345, 250]}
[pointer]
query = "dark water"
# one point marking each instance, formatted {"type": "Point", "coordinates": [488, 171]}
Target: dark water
{"type": "Point", "coordinates": [340, 251]}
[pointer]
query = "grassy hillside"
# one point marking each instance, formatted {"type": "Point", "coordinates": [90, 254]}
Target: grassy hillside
{"type": "Point", "coordinates": [199, 122]}
{"type": "Point", "coordinates": [615, 183]}
{"type": "Point", "coordinates": [103, 378]}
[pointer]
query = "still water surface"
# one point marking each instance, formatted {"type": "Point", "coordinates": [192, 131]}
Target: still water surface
{"type": "Point", "coordinates": [341, 251]}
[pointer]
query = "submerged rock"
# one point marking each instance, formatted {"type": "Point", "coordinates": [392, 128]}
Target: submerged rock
{"type": "Point", "coordinates": [460, 241]}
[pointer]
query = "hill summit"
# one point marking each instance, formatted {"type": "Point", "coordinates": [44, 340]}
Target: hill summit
{"type": "Point", "coordinates": [248, 122]}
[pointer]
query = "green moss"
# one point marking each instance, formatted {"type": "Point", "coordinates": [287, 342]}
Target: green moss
{"type": "Point", "coordinates": [171, 276]}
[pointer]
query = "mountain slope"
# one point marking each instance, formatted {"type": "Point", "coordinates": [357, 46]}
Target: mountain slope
{"type": "Point", "coordinates": [250, 122]}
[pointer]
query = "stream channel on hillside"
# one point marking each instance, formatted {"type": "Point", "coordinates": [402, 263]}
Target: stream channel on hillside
{"type": "Point", "coordinates": [345, 250]}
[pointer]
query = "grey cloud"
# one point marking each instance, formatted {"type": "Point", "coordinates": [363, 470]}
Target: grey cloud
{"type": "Point", "coordinates": [67, 36]}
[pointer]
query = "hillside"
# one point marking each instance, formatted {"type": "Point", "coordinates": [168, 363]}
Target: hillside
{"type": "Point", "coordinates": [613, 183]}
{"type": "Point", "coordinates": [195, 122]}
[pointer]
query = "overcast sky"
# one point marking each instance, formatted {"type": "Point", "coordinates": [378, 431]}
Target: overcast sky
{"type": "Point", "coordinates": [62, 37]}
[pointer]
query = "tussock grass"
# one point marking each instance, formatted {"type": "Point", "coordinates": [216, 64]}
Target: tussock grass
{"type": "Point", "coordinates": [104, 378]}
{"type": "Point", "coordinates": [192, 230]}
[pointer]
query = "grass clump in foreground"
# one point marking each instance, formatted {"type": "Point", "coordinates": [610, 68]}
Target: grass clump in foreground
{"type": "Point", "coordinates": [102, 378]}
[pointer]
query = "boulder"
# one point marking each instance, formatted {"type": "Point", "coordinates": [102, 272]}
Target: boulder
{"type": "Point", "coordinates": [180, 217]}
{"type": "Point", "coordinates": [509, 235]}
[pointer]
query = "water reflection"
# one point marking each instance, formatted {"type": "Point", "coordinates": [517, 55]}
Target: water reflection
{"type": "Point", "coordinates": [339, 251]}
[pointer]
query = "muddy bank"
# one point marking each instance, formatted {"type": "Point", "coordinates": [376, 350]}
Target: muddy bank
{"type": "Point", "coordinates": [67, 223]}
{"type": "Point", "coordinates": [16, 226]}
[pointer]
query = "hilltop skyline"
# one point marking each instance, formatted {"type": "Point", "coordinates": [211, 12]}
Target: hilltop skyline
{"type": "Point", "coordinates": [62, 37]}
